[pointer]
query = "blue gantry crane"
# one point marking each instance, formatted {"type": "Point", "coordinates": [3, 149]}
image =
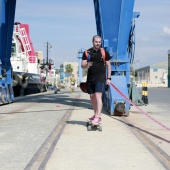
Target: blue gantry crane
{"type": "Point", "coordinates": [7, 13]}
{"type": "Point", "coordinates": [115, 24]}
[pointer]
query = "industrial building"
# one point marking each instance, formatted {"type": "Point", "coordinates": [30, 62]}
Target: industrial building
{"type": "Point", "coordinates": [153, 74]}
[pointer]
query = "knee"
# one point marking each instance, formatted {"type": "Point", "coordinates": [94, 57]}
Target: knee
{"type": "Point", "coordinates": [92, 96]}
{"type": "Point", "coordinates": [98, 96]}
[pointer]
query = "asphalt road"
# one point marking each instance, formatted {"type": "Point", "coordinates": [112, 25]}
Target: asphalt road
{"type": "Point", "coordinates": [159, 97]}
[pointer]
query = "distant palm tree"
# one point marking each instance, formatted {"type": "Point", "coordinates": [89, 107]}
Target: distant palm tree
{"type": "Point", "coordinates": [61, 66]}
{"type": "Point", "coordinates": [69, 69]}
{"type": "Point", "coordinates": [57, 71]}
{"type": "Point", "coordinates": [133, 71]}
{"type": "Point", "coordinates": [84, 72]}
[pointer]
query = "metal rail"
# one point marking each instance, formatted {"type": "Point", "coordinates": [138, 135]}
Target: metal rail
{"type": "Point", "coordinates": [41, 157]}
{"type": "Point", "coordinates": [160, 155]}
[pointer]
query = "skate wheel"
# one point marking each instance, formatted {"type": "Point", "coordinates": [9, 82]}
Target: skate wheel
{"type": "Point", "coordinates": [87, 124]}
{"type": "Point", "coordinates": [89, 127]}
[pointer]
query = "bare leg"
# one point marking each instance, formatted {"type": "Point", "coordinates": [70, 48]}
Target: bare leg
{"type": "Point", "coordinates": [99, 104]}
{"type": "Point", "coordinates": [96, 101]}
{"type": "Point", "coordinates": [93, 102]}
{"type": "Point", "coordinates": [72, 89]}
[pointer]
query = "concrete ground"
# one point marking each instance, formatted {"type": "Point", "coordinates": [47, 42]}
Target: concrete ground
{"type": "Point", "coordinates": [24, 134]}
{"type": "Point", "coordinates": [116, 147]}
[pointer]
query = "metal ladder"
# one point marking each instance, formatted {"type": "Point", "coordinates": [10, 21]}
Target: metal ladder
{"type": "Point", "coordinates": [24, 40]}
{"type": "Point", "coordinates": [26, 45]}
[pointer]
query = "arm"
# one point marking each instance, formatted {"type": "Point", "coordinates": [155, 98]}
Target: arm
{"type": "Point", "coordinates": [108, 69]}
{"type": "Point", "coordinates": [108, 72]}
{"type": "Point", "coordinates": [84, 61]}
{"type": "Point", "coordinates": [84, 64]}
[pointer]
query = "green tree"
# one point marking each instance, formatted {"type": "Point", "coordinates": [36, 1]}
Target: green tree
{"type": "Point", "coordinates": [133, 72]}
{"type": "Point", "coordinates": [84, 72]}
{"type": "Point", "coordinates": [61, 66]}
{"type": "Point", "coordinates": [69, 69]}
{"type": "Point", "coordinates": [57, 71]}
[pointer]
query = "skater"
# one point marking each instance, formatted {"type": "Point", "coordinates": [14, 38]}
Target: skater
{"type": "Point", "coordinates": [72, 83]}
{"type": "Point", "coordinates": [96, 63]}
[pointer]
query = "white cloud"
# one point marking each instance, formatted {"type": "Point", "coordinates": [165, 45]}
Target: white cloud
{"type": "Point", "coordinates": [166, 30]}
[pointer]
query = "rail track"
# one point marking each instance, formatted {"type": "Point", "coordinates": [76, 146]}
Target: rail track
{"type": "Point", "coordinates": [156, 150]}
{"type": "Point", "coordinates": [40, 158]}
{"type": "Point", "coordinates": [43, 154]}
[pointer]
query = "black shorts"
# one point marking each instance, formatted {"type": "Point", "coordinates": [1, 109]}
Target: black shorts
{"type": "Point", "coordinates": [97, 87]}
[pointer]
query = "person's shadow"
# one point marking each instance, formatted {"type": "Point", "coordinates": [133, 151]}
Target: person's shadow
{"type": "Point", "coordinates": [77, 122]}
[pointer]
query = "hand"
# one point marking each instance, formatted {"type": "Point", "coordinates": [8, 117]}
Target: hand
{"type": "Point", "coordinates": [108, 82]}
{"type": "Point", "coordinates": [89, 64]}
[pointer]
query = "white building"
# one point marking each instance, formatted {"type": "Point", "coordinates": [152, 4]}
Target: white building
{"type": "Point", "coordinates": [39, 55]}
{"type": "Point", "coordinates": [153, 74]}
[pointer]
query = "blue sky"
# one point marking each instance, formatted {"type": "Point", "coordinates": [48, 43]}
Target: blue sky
{"type": "Point", "coordinates": [70, 25]}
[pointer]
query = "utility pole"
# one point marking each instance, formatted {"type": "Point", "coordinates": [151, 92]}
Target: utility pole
{"type": "Point", "coordinates": [47, 54]}
{"type": "Point", "coordinates": [47, 61]}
